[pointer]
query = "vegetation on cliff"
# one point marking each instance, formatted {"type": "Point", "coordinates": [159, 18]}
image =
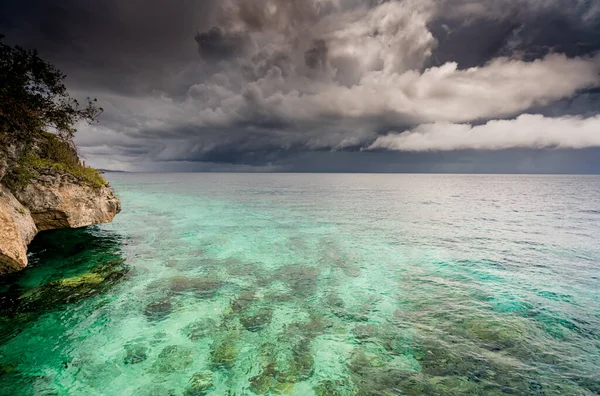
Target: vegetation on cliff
{"type": "Point", "coordinates": [51, 153]}
{"type": "Point", "coordinates": [38, 116]}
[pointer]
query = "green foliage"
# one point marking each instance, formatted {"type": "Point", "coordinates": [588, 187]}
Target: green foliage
{"type": "Point", "coordinates": [52, 152]}
{"type": "Point", "coordinates": [21, 174]}
{"type": "Point", "coordinates": [53, 148]}
{"type": "Point", "coordinates": [34, 98]}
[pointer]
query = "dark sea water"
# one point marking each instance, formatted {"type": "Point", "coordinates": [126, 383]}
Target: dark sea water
{"type": "Point", "coordinates": [315, 284]}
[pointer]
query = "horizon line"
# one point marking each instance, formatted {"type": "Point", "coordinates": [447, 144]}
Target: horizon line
{"type": "Point", "coordinates": [364, 173]}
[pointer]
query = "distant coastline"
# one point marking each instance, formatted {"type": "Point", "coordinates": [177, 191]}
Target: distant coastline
{"type": "Point", "coordinates": [111, 171]}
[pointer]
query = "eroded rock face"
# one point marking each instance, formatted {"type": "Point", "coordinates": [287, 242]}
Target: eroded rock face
{"type": "Point", "coordinates": [59, 201]}
{"type": "Point", "coordinates": [51, 201]}
{"type": "Point", "coordinates": [17, 229]}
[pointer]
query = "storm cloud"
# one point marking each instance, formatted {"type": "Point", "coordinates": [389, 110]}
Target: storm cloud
{"type": "Point", "coordinates": [261, 84]}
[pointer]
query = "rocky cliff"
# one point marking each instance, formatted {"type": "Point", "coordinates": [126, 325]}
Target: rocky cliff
{"type": "Point", "coordinates": [51, 196]}
{"type": "Point", "coordinates": [17, 229]}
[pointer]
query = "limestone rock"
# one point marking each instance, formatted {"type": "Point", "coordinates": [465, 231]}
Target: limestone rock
{"type": "Point", "coordinates": [17, 229]}
{"type": "Point", "coordinates": [59, 201]}
{"type": "Point", "coordinates": [51, 201]}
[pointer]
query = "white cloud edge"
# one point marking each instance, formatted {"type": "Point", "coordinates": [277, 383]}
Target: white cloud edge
{"type": "Point", "coordinates": [532, 131]}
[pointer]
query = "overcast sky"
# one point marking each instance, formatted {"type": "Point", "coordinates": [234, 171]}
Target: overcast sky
{"type": "Point", "coordinates": [328, 85]}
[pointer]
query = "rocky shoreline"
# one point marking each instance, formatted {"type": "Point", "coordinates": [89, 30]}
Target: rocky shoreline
{"type": "Point", "coordinates": [50, 200]}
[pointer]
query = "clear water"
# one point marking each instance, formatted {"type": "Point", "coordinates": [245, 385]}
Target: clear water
{"type": "Point", "coordinates": [303, 284]}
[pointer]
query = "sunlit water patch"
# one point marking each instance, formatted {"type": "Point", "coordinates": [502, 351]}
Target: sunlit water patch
{"type": "Point", "coordinates": [225, 284]}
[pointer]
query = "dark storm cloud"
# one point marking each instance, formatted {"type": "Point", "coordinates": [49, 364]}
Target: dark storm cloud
{"type": "Point", "coordinates": [215, 44]}
{"type": "Point", "coordinates": [286, 16]}
{"type": "Point", "coordinates": [262, 62]}
{"type": "Point", "coordinates": [486, 40]}
{"type": "Point", "coordinates": [525, 29]}
{"type": "Point", "coordinates": [124, 46]}
{"type": "Point", "coordinates": [316, 56]}
{"type": "Point", "coordinates": [257, 81]}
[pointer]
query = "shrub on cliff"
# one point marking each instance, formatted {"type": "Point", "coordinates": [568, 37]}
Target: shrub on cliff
{"type": "Point", "coordinates": [33, 96]}
{"type": "Point", "coordinates": [51, 153]}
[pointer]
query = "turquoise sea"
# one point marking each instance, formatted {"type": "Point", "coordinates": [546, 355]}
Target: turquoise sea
{"type": "Point", "coordinates": [315, 284]}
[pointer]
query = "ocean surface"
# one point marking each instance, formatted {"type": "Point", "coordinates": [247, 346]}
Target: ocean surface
{"type": "Point", "coordinates": [315, 284]}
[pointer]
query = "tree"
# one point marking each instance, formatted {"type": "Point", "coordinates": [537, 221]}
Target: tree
{"type": "Point", "coordinates": [34, 99]}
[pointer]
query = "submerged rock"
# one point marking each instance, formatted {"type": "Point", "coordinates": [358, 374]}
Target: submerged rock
{"type": "Point", "coordinates": [291, 363]}
{"type": "Point", "coordinates": [136, 353]}
{"type": "Point", "coordinates": [224, 352]}
{"type": "Point", "coordinates": [496, 335]}
{"type": "Point", "coordinates": [278, 297]}
{"type": "Point", "coordinates": [243, 301]}
{"type": "Point", "coordinates": [300, 368]}
{"type": "Point", "coordinates": [200, 287]}
{"type": "Point", "coordinates": [91, 278]}
{"type": "Point", "coordinates": [302, 364]}
{"type": "Point", "coordinates": [174, 358]}
{"type": "Point", "coordinates": [199, 384]}
{"type": "Point", "coordinates": [72, 289]}
{"type": "Point", "coordinates": [333, 388]}
{"type": "Point", "coordinates": [302, 280]}
{"type": "Point", "coordinates": [258, 320]}
{"type": "Point", "coordinates": [267, 381]}
{"type": "Point", "coordinates": [276, 379]}
{"type": "Point", "coordinates": [261, 384]}
{"type": "Point", "coordinates": [311, 329]}
{"type": "Point", "coordinates": [491, 372]}
{"type": "Point", "coordinates": [200, 329]}
{"type": "Point", "coordinates": [371, 377]}
{"type": "Point", "coordinates": [242, 269]}
{"type": "Point", "coordinates": [159, 309]}
{"type": "Point", "coordinates": [439, 359]}
{"type": "Point", "coordinates": [364, 333]}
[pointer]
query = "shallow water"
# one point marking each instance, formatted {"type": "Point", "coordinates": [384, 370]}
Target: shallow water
{"type": "Point", "coordinates": [242, 284]}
